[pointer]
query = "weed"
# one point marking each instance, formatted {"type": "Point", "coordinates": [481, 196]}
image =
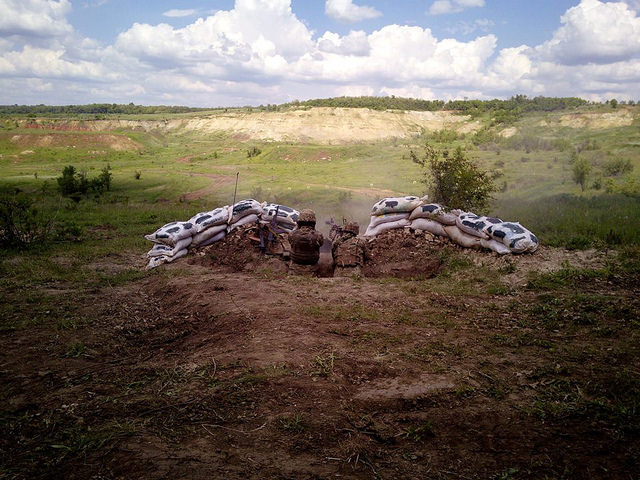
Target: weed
{"type": "Point", "coordinates": [323, 365]}
{"type": "Point", "coordinates": [74, 349]}
{"type": "Point", "coordinates": [292, 423]}
{"type": "Point", "coordinates": [419, 432]}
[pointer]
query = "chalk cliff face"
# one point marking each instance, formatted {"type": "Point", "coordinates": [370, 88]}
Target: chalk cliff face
{"type": "Point", "coordinates": [319, 124]}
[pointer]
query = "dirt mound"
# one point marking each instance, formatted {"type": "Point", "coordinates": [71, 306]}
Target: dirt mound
{"type": "Point", "coordinates": [621, 118]}
{"type": "Point", "coordinates": [114, 142]}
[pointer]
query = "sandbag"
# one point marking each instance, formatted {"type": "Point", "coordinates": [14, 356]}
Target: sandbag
{"type": "Point", "coordinates": [203, 220]}
{"type": "Point", "coordinates": [160, 249]}
{"type": "Point", "coordinates": [285, 215]}
{"type": "Point", "coordinates": [243, 221]}
{"type": "Point", "coordinates": [514, 236]}
{"type": "Point", "coordinates": [434, 211]}
{"type": "Point", "coordinates": [494, 245]}
{"type": "Point", "coordinates": [386, 218]}
{"type": "Point", "coordinates": [461, 238]}
{"type": "Point", "coordinates": [171, 233]}
{"type": "Point", "coordinates": [472, 224]}
{"type": "Point", "coordinates": [383, 227]}
{"type": "Point", "coordinates": [243, 208]}
{"type": "Point", "coordinates": [157, 261]}
{"type": "Point", "coordinates": [430, 226]}
{"type": "Point", "coordinates": [396, 205]}
{"type": "Point", "coordinates": [205, 235]}
{"type": "Point", "coordinates": [216, 238]}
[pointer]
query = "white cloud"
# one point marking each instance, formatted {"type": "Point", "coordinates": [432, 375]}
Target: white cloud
{"type": "Point", "coordinates": [346, 11]}
{"type": "Point", "coordinates": [594, 32]}
{"type": "Point", "coordinates": [176, 13]}
{"type": "Point", "coordinates": [34, 18]}
{"type": "Point", "coordinates": [355, 43]}
{"type": "Point", "coordinates": [259, 52]}
{"type": "Point", "coordinates": [441, 7]}
{"type": "Point", "coordinates": [467, 28]}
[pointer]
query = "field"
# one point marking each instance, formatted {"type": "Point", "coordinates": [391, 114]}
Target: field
{"type": "Point", "coordinates": [223, 366]}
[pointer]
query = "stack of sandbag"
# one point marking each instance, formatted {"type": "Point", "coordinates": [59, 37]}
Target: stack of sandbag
{"type": "Point", "coordinates": [390, 213]}
{"type": "Point", "coordinates": [243, 212]}
{"type": "Point", "coordinates": [513, 236]}
{"type": "Point", "coordinates": [433, 218]}
{"type": "Point", "coordinates": [171, 242]}
{"type": "Point", "coordinates": [210, 226]}
{"type": "Point", "coordinates": [285, 217]}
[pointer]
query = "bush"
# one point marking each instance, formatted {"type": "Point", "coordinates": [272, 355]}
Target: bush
{"type": "Point", "coordinates": [581, 169]}
{"type": "Point", "coordinates": [75, 185]}
{"type": "Point", "coordinates": [21, 223]}
{"type": "Point", "coordinates": [454, 180]}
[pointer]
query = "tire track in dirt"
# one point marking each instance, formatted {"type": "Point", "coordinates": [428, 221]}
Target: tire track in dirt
{"type": "Point", "coordinates": [217, 181]}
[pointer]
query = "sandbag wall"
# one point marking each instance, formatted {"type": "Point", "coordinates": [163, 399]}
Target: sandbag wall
{"type": "Point", "coordinates": [464, 228]}
{"type": "Point", "coordinates": [173, 240]}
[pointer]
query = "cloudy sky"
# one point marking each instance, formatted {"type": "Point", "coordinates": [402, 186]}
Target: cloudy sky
{"type": "Point", "coordinates": [252, 52]}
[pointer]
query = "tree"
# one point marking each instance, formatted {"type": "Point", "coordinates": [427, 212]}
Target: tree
{"type": "Point", "coordinates": [454, 180]}
{"type": "Point", "coordinates": [581, 170]}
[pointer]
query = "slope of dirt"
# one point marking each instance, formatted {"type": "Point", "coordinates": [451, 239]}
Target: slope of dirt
{"type": "Point", "coordinates": [221, 365]}
{"type": "Point", "coordinates": [620, 118]}
{"type": "Point", "coordinates": [320, 124]}
{"type": "Point", "coordinates": [113, 142]}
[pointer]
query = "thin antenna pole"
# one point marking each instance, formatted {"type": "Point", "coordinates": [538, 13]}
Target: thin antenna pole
{"type": "Point", "coordinates": [235, 190]}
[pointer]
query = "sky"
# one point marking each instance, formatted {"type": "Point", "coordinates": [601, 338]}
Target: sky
{"type": "Point", "coordinates": [217, 53]}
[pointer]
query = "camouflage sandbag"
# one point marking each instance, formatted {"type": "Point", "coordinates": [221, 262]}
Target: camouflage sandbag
{"type": "Point", "coordinates": [157, 261]}
{"type": "Point", "coordinates": [461, 238]}
{"type": "Point", "coordinates": [383, 227]}
{"type": "Point", "coordinates": [200, 238]}
{"type": "Point", "coordinates": [386, 218]}
{"type": "Point", "coordinates": [434, 211]}
{"type": "Point", "coordinates": [396, 205]}
{"type": "Point", "coordinates": [285, 215]}
{"type": "Point", "coordinates": [171, 233]}
{"type": "Point", "coordinates": [244, 208]}
{"type": "Point", "coordinates": [494, 245]}
{"type": "Point", "coordinates": [160, 249]}
{"type": "Point", "coordinates": [430, 226]}
{"type": "Point", "coordinates": [203, 220]}
{"type": "Point", "coordinates": [243, 221]}
{"type": "Point", "coordinates": [514, 236]}
{"type": "Point", "coordinates": [216, 238]}
{"type": "Point", "coordinates": [472, 224]}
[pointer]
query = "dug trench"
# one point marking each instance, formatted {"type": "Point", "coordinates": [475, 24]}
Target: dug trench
{"type": "Point", "coordinates": [468, 366]}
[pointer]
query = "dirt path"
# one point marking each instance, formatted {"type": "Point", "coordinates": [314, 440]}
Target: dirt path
{"type": "Point", "coordinates": [217, 181]}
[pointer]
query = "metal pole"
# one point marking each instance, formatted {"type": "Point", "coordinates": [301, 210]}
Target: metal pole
{"type": "Point", "coordinates": [235, 190]}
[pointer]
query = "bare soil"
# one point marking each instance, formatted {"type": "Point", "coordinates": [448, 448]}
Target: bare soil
{"type": "Point", "coordinates": [223, 366]}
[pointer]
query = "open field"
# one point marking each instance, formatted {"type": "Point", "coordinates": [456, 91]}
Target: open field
{"type": "Point", "coordinates": [222, 366]}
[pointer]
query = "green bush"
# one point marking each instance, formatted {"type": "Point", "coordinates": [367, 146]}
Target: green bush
{"type": "Point", "coordinates": [22, 224]}
{"type": "Point", "coordinates": [454, 180]}
{"type": "Point", "coordinates": [75, 185]}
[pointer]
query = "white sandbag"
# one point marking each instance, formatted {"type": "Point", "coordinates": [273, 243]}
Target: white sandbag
{"type": "Point", "coordinates": [396, 205]}
{"type": "Point", "coordinates": [216, 238]}
{"type": "Point", "coordinates": [514, 236]}
{"type": "Point", "coordinates": [243, 208]}
{"type": "Point", "coordinates": [472, 224]}
{"type": "Point", "coordinates": [157, 261]}
{"type": "Point", "coordinates": [285, 215]}
{"type": "Point", "coordinates": [430, 226]}
{"type": "Point", "coordinates": [386, 218]}
{"type": "Point", "coordinates": [383, 227]}
{"type": "Point", "coordinates": [243, 221]}
{"type": "Point", "coordinates": [435, 211]}
{"type": "Point", "coordinates": [203, 220]}
{"type": "Point", "coordinates": [171, 233]}
{"type": "Point", "coordinates": [494, 245]}
{"type": "Point", "coordinates": [160, 249]}
{"type": "Point", "coordinates": [205, 235]}
{"type": "Point", "coordinates": [461, 238]}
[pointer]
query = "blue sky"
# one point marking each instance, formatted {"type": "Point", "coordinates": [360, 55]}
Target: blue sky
{"type": "Point", "coordinates": [251, 52]}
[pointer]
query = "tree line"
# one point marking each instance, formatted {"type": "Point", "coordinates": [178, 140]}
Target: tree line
{"type": "Point", "coordinates": [94, 109]}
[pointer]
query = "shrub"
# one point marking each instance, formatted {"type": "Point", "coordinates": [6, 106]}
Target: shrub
{"type": "Point", "coordinates": [454, 180]}
{"type": "Point", "coordinates": [581, 169]}
{"type": "Point", "coordinates": [75, 185]}
{"type": "Point", "coordinates": [21, 223]}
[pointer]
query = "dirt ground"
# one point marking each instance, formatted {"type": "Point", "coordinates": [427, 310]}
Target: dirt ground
{"type": "Point", "coordinates": [438, 363]}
